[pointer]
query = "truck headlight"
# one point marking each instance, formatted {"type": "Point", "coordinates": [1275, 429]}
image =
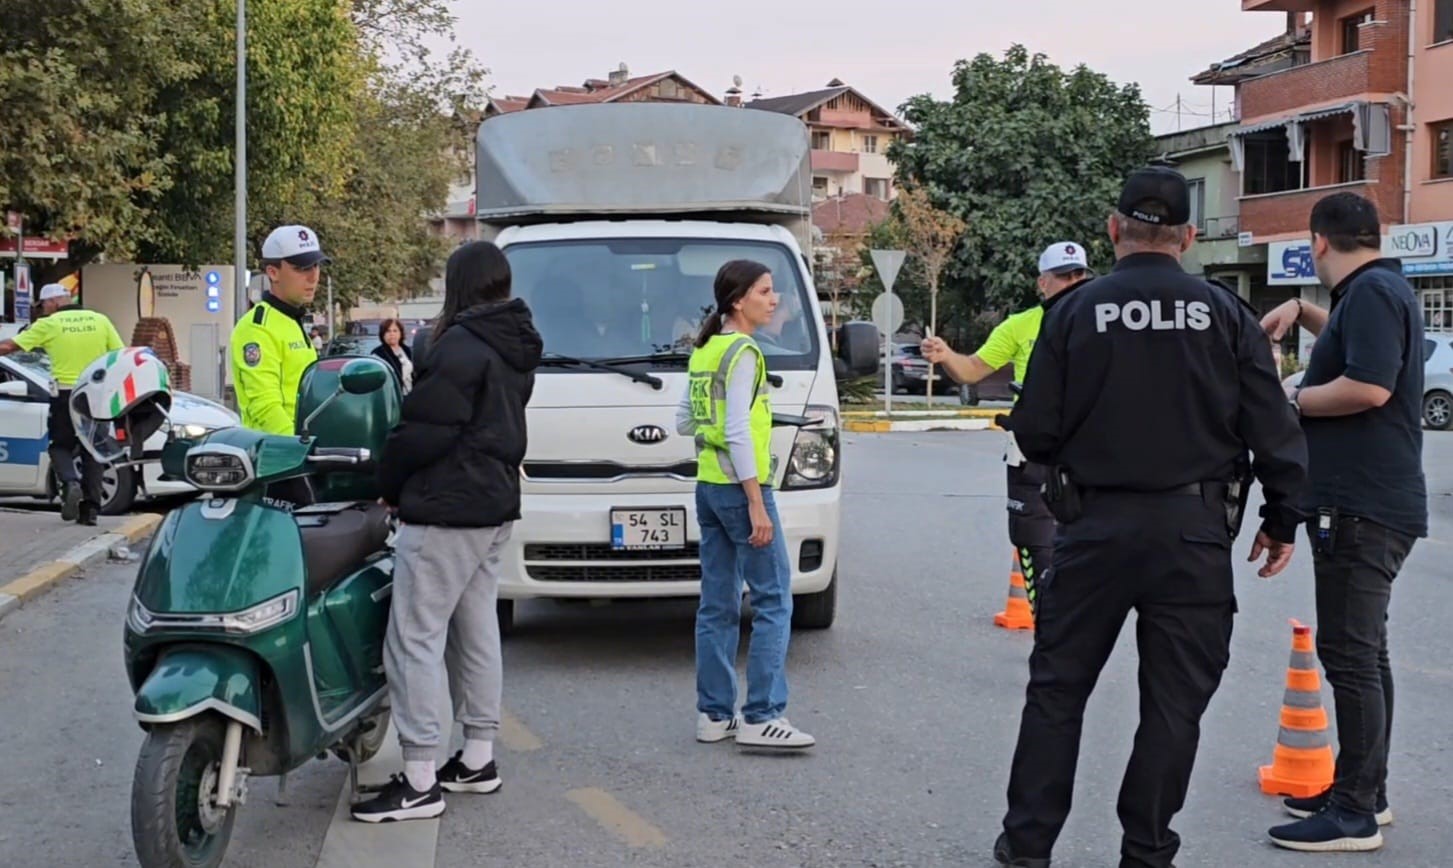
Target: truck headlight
{"type": "Point", "coordinates": [218, 467]}
{"type": "Point", "coordinates": [815, 460]}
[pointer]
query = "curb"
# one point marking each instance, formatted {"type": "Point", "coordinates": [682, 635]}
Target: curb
{"type": "Point", "coordinates": [46, 576]}
{"type": "Point", "coordinates": [876, 426]}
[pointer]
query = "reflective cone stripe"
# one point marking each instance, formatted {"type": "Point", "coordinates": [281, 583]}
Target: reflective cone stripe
{"type": "Point", "coordinates": [1017, 614]}
{"type": "Point", "coordinates": [1302, 763]}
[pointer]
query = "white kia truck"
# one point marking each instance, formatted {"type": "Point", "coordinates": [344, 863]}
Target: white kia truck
{"type": "Point", "coordinates": [615, 219]}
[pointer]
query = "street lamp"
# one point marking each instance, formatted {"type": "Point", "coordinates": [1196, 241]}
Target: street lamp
{"type": "Point", "coordinates": [240, 207]}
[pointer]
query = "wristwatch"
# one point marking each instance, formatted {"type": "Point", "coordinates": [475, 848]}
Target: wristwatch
{"type": "Point", "coordinates": [1296, 404]}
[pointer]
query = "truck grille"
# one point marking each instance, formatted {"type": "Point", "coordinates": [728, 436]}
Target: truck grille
{"type": "Point", "coordinates": [597, 471]}
{"type": "Point", "coordinates": [581, 562]}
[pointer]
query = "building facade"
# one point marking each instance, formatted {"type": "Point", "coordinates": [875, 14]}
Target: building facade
{"type": "Point", "coordinates": [850, 139]}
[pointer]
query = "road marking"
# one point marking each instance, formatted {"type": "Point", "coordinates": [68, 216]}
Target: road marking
{"type": "Point", "coordinates": [616, 818]}
{"type": "Point", "coordinates": [515, 736]}
{"type": "Point", "coordinates": [351, 844]}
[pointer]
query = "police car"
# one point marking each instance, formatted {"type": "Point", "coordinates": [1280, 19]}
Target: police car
{"type": "Point", "coordinates": [25, 466]}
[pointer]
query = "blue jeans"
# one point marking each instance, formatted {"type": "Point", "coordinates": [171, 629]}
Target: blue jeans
{"type": "Point", "coordinates": [728, 559]}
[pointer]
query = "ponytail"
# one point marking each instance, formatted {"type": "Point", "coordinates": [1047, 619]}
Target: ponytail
{"type": "Point", "coordinates": [733, 280]}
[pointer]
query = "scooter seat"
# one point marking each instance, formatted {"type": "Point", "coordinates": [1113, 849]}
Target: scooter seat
{"type": "Point", "coordinates": [336, 543]}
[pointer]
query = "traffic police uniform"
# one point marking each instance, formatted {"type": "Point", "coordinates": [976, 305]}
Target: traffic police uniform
{"type": "Point", "coordinates": [270, 347]}
{"type": "Point", "coordinates": [1031, 526]}
{"type": "Point", "coordinates": [73, 337]}
{"type": "Point", "coordinates": [1146, 389]}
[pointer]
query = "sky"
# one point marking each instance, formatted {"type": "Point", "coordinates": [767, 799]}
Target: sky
{"type": "Point", "coordinates": [888, 49]}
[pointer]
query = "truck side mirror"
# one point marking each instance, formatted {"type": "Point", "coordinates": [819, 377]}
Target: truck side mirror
{"type": "Point", "coordinates": [858, 345]}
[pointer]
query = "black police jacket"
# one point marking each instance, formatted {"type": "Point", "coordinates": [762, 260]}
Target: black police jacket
{"type": "Point", "coordinates": [1149, 379]}
{"type": "Point", "coordinates": [454, 459]}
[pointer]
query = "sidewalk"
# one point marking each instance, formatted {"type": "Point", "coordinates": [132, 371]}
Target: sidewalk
{"type": "Point", "coordinates": [39, 550]}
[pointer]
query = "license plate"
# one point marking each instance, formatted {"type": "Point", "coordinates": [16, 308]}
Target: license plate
{"type": "Point", "coordinates": [648, 528]}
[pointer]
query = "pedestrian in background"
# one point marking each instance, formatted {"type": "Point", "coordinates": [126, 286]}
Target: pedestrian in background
{"type": "Point", "coordinates": [396, 352]}
{"type": "Point", "coordinates": [452, 469]}
{"type": "Point", "coordinates": [1360, 403]}
{"type": "Point", "coordinates": [725, 406]}
{"type": "Point", "coordinates": [1062, 267]}
{"type": "Point", "coordinates": [73, 337]}
{"type": "Point", "coordinates": [1145, 391]}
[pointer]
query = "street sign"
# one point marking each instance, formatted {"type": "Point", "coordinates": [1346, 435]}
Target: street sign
{"type": "Point", "coordinates": [22, 292]}
{"type": "Point", "coordinates": [888, 262]}
{"type": "Point", "coordinates": [1245, 239]}
{"type": "Point", "coordinates": [13, 221]}
{"type": "Point", "coordinates": [887, 313]}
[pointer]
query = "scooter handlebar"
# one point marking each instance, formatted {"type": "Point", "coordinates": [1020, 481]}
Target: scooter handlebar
{"type": "Point", "coordinates": [340, 455]}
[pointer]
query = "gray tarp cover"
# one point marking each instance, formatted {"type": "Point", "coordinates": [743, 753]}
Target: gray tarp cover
{"type": "Point", "coordinates": [642, 158]}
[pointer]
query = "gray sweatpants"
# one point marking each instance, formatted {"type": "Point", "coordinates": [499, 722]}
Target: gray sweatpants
{"type": "Point", "coordinates": [442, 621]}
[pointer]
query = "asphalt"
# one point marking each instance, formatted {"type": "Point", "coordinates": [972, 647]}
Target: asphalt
{"type": "Point", "coordinates": [913, 694]}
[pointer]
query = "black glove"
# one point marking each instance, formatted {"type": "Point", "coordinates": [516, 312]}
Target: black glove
{"type": "Point", "coordinates": [1002, 420]}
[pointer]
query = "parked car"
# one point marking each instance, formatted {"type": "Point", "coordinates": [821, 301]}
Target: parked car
{"type": "Point", "coordinates": [25, 470]}
{"type": "Point", "coordinates": [351, 345]}
{"type": "Point", "coordinates": [1437, 380]}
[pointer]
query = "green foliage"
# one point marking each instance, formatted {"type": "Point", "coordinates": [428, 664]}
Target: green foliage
{"type": "Point", "coordinates": [1028, 154]}
{"type": "Point", "coordinates": [859, 390]}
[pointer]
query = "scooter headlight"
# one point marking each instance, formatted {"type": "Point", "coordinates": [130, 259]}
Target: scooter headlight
{"type": "Point", "coordinates": [261, 617]}
{"type": "Point", "coordinates": [137, 617]}
{"type": "Point", "coordinates": [264, 615]}
{"type": "Point", "coordinates": [219, 468]}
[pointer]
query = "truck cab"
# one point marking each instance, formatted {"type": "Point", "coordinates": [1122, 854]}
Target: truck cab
{"type": "Point", "coordinates": [619, 291]}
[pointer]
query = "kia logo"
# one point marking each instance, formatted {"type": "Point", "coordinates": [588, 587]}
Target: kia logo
{"type": "Point", "coordinates": [647, 434]}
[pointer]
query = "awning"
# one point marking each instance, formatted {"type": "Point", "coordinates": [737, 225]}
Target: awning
{"type": "Point", "coordinates": [1371, 130]}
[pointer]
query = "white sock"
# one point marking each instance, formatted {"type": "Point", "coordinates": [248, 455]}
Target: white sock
{"type": "Point", "coordinates": [421, 774]}
{"type": "Point", "coordinates": [477, 753]}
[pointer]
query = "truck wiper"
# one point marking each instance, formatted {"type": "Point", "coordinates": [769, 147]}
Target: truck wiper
{"type": "Point", "coordinates": [557, 360]}
{"type": "Point", "coordinates": [674, 356]}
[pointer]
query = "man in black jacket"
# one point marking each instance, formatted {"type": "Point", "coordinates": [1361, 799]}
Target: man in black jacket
{"type": "Point", "coordinates": [451, 467]}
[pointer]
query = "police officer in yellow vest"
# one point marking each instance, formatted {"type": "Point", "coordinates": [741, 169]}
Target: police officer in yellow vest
{"type": "Point", "coordinates": [1062, 266]}
{"type": "Point", "coordinates": [270, 347]}
{"type": "Point", "coordinates": [73, 337]}
{"type": "Point", "coordinates": [727, 409]}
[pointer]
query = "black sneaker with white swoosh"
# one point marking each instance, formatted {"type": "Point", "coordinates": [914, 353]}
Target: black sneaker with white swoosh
{"type": "Point", "coordinates": [456, 777]}
{"type": "Point", "coordinates": [400, 801]}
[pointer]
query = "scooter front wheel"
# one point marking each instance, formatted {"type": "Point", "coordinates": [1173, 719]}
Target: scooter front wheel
{"type": "Point", "coordinates": [175, 819]}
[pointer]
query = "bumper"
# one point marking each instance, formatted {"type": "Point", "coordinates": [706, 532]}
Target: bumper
{"type": "Point", "coordinates": [561, 547]}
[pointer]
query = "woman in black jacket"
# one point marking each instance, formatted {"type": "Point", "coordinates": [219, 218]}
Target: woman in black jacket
{"type": "Point", "coordinates": [393, 349]}
{"type": "Point", "coordinates": [452, 469]}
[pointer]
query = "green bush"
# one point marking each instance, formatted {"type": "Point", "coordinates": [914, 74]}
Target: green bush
{"type": "Point", "coordinates": [856, 391]}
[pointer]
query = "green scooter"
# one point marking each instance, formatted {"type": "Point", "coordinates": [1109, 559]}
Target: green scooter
{"type": "Point", "coordinates": [254, 636]}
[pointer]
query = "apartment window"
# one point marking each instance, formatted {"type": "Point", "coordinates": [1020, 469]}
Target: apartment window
{"type": "Point", "coordinates": [1198, 203]}
{"type": "Point", "coordinates": [1352, 31]}
{"type": "Point", "coordinates": [822, 141]}
{"type": "Point", "coordinates": [877, 187]}
{"type": "Point", "coordinates": [1268, 167]}
{"type": "Point", "coordinates": [1442, 20]}
{"type": "Point", "coordinates": [1443, 148]}
{"type": "Point", "coordinates": [870, 144]}
{"type": "Point", "coordinates": [1350, 166]}
{"type": "Point", "coordinates": [819, 185]}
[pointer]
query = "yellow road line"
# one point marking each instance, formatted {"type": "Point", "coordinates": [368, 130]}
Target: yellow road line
{"type": "Point", "coordinates": [515, 736]}
{"type": "Point", "coordinates": [616, 818]}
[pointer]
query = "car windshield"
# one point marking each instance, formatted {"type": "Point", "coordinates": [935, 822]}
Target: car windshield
{"type": "Point", "coordinates": [631, 298]}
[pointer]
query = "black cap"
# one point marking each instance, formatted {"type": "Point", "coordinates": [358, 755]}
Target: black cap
{"type": "Point", "coordinates": [1157, 195]}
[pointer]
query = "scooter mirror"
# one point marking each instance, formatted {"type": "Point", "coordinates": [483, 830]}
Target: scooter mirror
{"type": "Point", "coordinates": [361, 376]}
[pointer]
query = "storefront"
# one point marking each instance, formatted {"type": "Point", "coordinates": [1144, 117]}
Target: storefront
{"type": "Point", "coordinates": [1426, 250]}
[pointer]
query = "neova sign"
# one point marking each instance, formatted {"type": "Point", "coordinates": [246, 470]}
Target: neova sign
{"type": "Point", "coordinates": [1424, 248]}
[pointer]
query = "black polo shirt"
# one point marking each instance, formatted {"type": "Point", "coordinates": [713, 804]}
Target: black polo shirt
{"type": "Point", "coordinates": [1370, 464]}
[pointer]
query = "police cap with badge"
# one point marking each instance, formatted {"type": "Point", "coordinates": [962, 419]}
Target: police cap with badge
{"type": "Point", "coordinates": [298, 246]}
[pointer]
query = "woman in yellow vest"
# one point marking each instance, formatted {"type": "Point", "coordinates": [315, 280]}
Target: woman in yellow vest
{"type": "Point", "coordinates": [726, 408]}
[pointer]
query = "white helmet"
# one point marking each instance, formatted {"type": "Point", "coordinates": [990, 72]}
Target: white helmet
{"type": "Point", "coordinates": [119, 400]}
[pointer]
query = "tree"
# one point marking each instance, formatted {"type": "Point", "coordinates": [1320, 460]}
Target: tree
{"type": "Point", "coordinates": [932, 234]}
{"type": "Point", "coordinates": [1028, 154]}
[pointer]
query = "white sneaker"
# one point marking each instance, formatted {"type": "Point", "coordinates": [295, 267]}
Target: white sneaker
{"type": "Point", "coordinates": [711, 731]}
{"type": "Point", "coordinates": [779, 733]}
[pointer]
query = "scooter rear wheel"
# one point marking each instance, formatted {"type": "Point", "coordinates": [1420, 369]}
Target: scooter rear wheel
{"type": "Point", "coordinates": [175, 821]}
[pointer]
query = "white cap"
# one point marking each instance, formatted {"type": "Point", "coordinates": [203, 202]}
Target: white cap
{"type": "Point", "coordinates": [1061, 257]}
{"type": "Point", "coordinates": [299, 245]}
{"type": "Point", "coordinates": [53, 290]}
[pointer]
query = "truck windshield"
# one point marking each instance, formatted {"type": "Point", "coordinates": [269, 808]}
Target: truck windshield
{"type": "Point", "coordinates": [618, 299]}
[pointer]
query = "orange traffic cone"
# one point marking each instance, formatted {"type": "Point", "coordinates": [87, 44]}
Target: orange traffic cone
{"type": "Point", "coordinates": [1016, 615]}
{"type": "Point", "coordinates": [1301, 765]}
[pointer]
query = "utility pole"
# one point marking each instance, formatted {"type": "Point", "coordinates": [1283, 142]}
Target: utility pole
{"type": "Point", "coordinates": [239, 237]}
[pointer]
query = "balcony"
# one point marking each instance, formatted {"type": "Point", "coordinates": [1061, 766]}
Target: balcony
{"type": "Point", "coordinates": [1343, 77]}
{"type": "Point", "coordinates": [834, 161]}
{"type": "Point", "coordinates": [1280, 213]}
{"type": "Point", "coordinates": [1279, 5]}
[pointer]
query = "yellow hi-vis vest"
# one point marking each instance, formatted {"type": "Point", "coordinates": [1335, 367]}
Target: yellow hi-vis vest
{"type": "Point", "coordinates": [710, 370]}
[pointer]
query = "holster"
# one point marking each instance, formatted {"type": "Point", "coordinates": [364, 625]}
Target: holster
{"type": "Point", "coordinates": [1238, 490]}
{"type": "Point", "coordinates": [1062, 496]}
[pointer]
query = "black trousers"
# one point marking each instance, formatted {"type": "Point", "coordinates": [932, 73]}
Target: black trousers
{"type": "Point", "coordinates": [1031, 526]}
{"type": "Point", "coordinates": [1354, 587]}
{"type": "Point", "coordinates": [64, 446]}
{"type": "Point", "coordinates": [1168, 558]}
